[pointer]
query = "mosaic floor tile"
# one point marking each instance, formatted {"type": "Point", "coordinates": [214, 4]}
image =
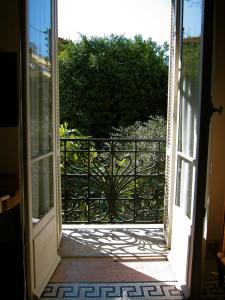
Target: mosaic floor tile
{"type": "Point", "coordinates": [168, 290]}
{"type": "Point", "coordinates": [113, 291]}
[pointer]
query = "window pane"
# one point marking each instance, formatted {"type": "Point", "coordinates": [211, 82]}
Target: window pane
{"type": "Point", "coordinates": [42, 187]}
{"type": "Point", "coordinates": [190, 77]}
{"type": "Point", "coordinates": [184, 191]}
{"type": "Point", "coordinates": [40, 70]}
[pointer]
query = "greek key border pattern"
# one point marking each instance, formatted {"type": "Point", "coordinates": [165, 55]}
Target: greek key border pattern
{"type": "Point", "coordinates": [211, 290]}
{"type": "Point", "coordinates": [126, 291]}
{"type": "Point", "coordinates": [116, 291]}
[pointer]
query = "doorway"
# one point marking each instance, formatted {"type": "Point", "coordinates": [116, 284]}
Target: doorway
{"type": "Point", "coordinates": [117, 178]}
{"type": "Point", "coordinates": [46, 242]}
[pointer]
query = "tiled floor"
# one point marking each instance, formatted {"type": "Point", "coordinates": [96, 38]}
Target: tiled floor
{"type": "Point", "coordinates": [113, 291]}
{"type": "Point", "coordinates": [111, 270]}
{"type": "Point", "coordinates": [113, 262]}
{"type": "Point", "coordinates": [150, 290]}
{"type": "Point", "coordinates": [120, 263]}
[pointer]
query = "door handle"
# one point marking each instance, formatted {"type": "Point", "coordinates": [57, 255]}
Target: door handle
{"type": "Point", "coordinates": [219, 110]}
{"type": "Point", "coordinates": [214, 109]}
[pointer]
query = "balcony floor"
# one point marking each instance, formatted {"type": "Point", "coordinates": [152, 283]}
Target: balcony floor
{"type": "Point", "coordinates": [118, 262]}
{"type": "Point", "coordinates": [132, 252]}
{"type": "Point", "coordinates": [127, 240]}
{"type": "Point", "coordinates": [124, 259]}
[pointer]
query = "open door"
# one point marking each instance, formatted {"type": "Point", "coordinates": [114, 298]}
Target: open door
{"type": "Point", "coordinates": [40, 155]}
{"type": "Point", "coordinates": [191, 142]}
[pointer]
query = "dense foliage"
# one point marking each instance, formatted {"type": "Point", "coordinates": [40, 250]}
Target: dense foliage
{"type": "Point", "coordinates": [154, 128]}
{"type": "Point", "coordinates": [108, 82]}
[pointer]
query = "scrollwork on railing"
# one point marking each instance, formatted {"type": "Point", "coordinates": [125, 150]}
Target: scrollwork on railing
{"type": "Point", "coordinates": [112, 180]}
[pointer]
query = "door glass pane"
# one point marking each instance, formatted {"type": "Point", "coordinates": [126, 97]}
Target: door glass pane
{"type": "Point", "coordinates": [41, 126]}
{"type": "Point", "coordinates": [189, 102]}
{"type": "Point", "coordinates": [185, 186]}
{"type": "Point", "coordinates": [40, 70]}
{"type": "Point", "coordinates": [42, 187]}
{"type": "Point", "coordinates": [190, 86]}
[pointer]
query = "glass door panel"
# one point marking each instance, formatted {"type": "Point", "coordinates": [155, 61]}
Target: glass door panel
{"type": "Point", "coordinates": [40, 65]}
{"type": "Point", "coordinates": [189, 102]}
{"type": "Point", "coordinates": [41, 106]}
{"type": "Point", "coordinates": [42, 220]}
{"type": "Point", "coordinates": [42, 187]}
{"type": "Point", "coordinates": [184, 192]}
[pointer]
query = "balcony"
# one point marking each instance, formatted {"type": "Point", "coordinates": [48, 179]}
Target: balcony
{"type": "Point", "coordinates": [111, 180]}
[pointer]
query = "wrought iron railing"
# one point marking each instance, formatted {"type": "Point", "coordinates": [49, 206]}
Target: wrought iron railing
{"type": "Point", "coordinates": [112, 180]}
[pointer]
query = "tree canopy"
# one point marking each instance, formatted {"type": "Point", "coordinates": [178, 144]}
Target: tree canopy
{"type": "Point", "coordinates": [108, 82]}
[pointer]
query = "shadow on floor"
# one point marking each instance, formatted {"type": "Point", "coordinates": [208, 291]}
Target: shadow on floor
{"type": "Point", "coordinates": [115, 241]}
{"type": "Point", "coordinates": [112, 270]}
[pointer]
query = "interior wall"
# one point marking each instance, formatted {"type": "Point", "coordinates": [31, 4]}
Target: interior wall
{"type": "Point", "coordinates": [11, 245]}
{"type": "Point", "coordinates": [9, 42]}
{"type": "Point", "coordinates": [217, 164]}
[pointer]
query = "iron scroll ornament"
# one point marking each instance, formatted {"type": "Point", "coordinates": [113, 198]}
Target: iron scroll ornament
{"type": "Point", "coordinates": [113, 185]}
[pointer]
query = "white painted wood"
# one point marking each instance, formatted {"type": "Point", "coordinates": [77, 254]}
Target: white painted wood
{"type": "Point", "coordinates": [57, 125]}
{"type": "Point", "coordinates": [172, 117]}
{"type": "Point", "coordinates": [181, 224]}
{"type": "Point", "coordinates": [180, 245]}
{"type": "Point", "coordinates": [46, 258]}
{"type": "Point", "coordinates": [42, 248]}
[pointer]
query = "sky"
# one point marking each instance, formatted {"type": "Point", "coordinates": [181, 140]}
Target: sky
{"type": "Point", "coordinates": [150, 18]}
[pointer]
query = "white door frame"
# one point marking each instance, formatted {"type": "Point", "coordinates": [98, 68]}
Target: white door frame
{"type": "Point", "coordinates": [196, 241]}
{"type": "Point", "coordinates": [41, 240]}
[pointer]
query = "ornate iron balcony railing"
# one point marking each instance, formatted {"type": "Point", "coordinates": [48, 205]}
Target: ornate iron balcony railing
{"type": "Point", "coordinates": [112, 180]}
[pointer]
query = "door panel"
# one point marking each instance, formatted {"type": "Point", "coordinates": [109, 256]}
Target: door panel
{"type": "Point", "coordinates": [42, 217]}
{"type": "Point", "coordinates": [189, 99]}
{"type": "Point", "coordinates": [45, 264]}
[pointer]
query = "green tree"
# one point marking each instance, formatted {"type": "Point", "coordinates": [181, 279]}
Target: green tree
{"type": "Point", "coordinates": [113, 81]}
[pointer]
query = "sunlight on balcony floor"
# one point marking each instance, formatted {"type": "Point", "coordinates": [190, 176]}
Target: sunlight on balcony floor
{"type": "Point", "coordinates": [130, 240]}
